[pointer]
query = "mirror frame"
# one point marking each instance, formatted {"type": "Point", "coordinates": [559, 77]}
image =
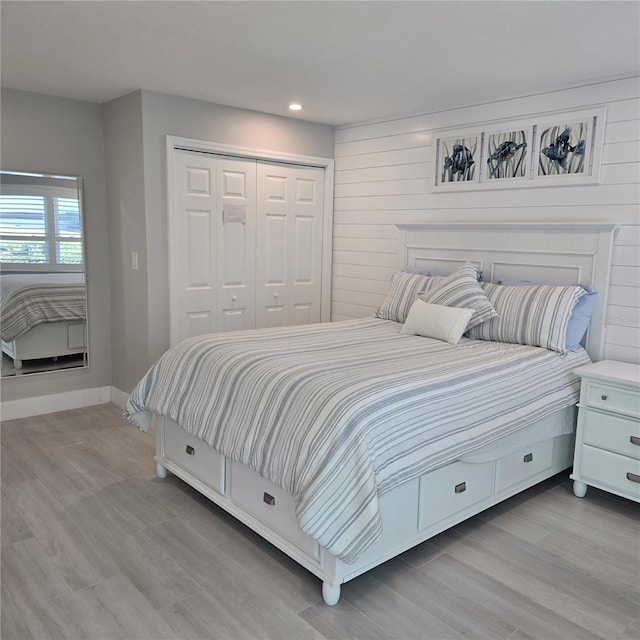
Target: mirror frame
{"type": "Point", "coordinates": [77, 340]}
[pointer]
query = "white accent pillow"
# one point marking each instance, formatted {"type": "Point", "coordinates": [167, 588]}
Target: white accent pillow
{"type": "Point", "coordinates": [437, 321]}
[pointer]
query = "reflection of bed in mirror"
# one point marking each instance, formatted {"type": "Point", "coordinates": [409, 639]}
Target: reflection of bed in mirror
{"type": "Point", "coordinates": [43, 315]}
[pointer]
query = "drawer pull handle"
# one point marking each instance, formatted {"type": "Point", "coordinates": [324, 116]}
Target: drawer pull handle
{"type": "Point", "coordinates": [459, 488]}
{"type": "Point", "coordinates": [528, 457]}
{"type": "Point", "coordinates": [604, 397]}
{"type": "Point", "coordinates": [634, 440]}
{"type": "Point", "coordinates": [190, 450]}
{"type": "Point", "coordinates": [269, 499]}
{"type": "Point", "coordinates": [634, 477]}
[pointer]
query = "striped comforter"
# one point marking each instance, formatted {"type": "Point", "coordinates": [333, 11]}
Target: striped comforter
{"type": "Point", "coordinates": [27, 300]}
{"type": "Point", "coordinates": [338, 414]}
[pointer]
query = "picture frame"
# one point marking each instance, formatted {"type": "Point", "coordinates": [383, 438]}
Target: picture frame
{"type": "Point", "coordinates": [563, 148]}
{"type": "Point", "coordinates": [568, 148]}
{"type": "Point", "coordinates": [507, 153]}
{"type": "Point", "coordinates": [457, 159]}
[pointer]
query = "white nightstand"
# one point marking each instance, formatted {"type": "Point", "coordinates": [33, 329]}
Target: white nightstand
{"type": "Point", "coordinates": [607, 452]}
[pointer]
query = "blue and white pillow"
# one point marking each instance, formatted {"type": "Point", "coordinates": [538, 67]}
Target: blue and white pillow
{"type": "Point", "coordinates": [404, 290]}
{"type": "Point", "coordinates": [535, 315]}
{"type": "Point", "coordinates": [580, 316]}
{"type": "Point", "coordinates": [461, 289]}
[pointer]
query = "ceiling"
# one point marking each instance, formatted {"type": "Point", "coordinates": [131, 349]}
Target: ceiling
{"type": "Point", "coordinates": [344, 61]}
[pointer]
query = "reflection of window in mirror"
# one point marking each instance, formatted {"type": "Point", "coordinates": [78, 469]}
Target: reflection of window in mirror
{"type": "Point", "coordinates": [42, 292]}
{"type": "Point", "coordinates": [40, 223]}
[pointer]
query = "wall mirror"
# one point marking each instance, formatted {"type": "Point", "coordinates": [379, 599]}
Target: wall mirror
{"type": "Point", "coordinates": [43, 294]}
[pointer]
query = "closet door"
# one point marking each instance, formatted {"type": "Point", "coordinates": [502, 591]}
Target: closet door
{"type": "Point", "coordinates": [289, 249]}
{"type": "Point", "coordinates": [211, 244]}
{"type": "Point", "coordinates": [236, 248]}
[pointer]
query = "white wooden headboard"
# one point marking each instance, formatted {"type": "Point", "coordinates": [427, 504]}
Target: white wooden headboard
{"type": "Point", "coordinates": [554, 253]}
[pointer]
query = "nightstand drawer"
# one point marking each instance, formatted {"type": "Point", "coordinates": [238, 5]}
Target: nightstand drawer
{"type": "Point", "coordinates": [609, 398]}
{"type": "Point", "coordinates": [610, 470]}
{"type": "Point", "coordinates": [621, 435]}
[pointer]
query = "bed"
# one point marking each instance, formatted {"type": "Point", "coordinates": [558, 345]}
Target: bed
{"type": "Point", "coordinates": [43, 315]}
{"type": "Point", "coordinates": [344, 444]}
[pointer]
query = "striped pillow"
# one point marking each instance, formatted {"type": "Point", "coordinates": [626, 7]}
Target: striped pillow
{"type": "Point", "coordinates": [403, 292]}
{"type": "Point", "coordinates": [535, 315]}
{"type": "Point", "coordinates": [461, 289]}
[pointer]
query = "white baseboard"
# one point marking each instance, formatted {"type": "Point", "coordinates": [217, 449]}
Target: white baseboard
{"type": "Point", "coordinates": [119, 397]}
{"type": "Point", "coordinates": [39, 405]}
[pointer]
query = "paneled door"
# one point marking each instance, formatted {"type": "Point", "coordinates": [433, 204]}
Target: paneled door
{"type": "Point", "coordinates": [212, 232]}
{"type": "Point", "coordinates": [289, 248]}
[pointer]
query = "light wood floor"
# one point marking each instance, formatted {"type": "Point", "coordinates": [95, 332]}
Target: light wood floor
{"type": "Point", "coordinates": [94, 546]}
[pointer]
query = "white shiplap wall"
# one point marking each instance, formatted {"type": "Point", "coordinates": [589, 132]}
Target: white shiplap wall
{"type": "Point", "coordinates": [384, 172]}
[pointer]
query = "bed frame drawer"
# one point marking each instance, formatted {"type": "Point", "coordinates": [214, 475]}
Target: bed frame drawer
{"type": "Point", "coordinates": [195, 456]}
{"type": "Point", "coordinates": [526, 463]}
{"type": "Point", "coordinates": [451, 489]}
{"type": "Point", "coordinates": [271, 505]}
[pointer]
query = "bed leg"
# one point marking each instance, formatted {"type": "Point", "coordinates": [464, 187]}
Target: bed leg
{"type": "Point", "coordinates": [579, 489]}
{"type": "Point", "coordinates": [161, 471]}
{"type": "Point", "coordinates": [331, 593]}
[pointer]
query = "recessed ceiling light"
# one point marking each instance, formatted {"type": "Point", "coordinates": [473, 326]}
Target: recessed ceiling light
{"type": "Point", "coordinates": [295, 107]}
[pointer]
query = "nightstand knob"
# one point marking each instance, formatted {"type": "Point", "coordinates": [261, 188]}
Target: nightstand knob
{"type": "Point", "coordinates": [604, 397]}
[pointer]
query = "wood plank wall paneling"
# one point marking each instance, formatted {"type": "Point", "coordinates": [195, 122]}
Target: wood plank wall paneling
{"type": "Point", "coordinates": [384, 172]}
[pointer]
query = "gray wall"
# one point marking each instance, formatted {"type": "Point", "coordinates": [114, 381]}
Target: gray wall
{"type": "Point", "coordinates": [147, 291]}
{"type": "Point", "coordinates": [126, 218]}
{"type": "Point", "coordinates": [119, 151]}
{"type": "Point", "coordinates": [54, 135]}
